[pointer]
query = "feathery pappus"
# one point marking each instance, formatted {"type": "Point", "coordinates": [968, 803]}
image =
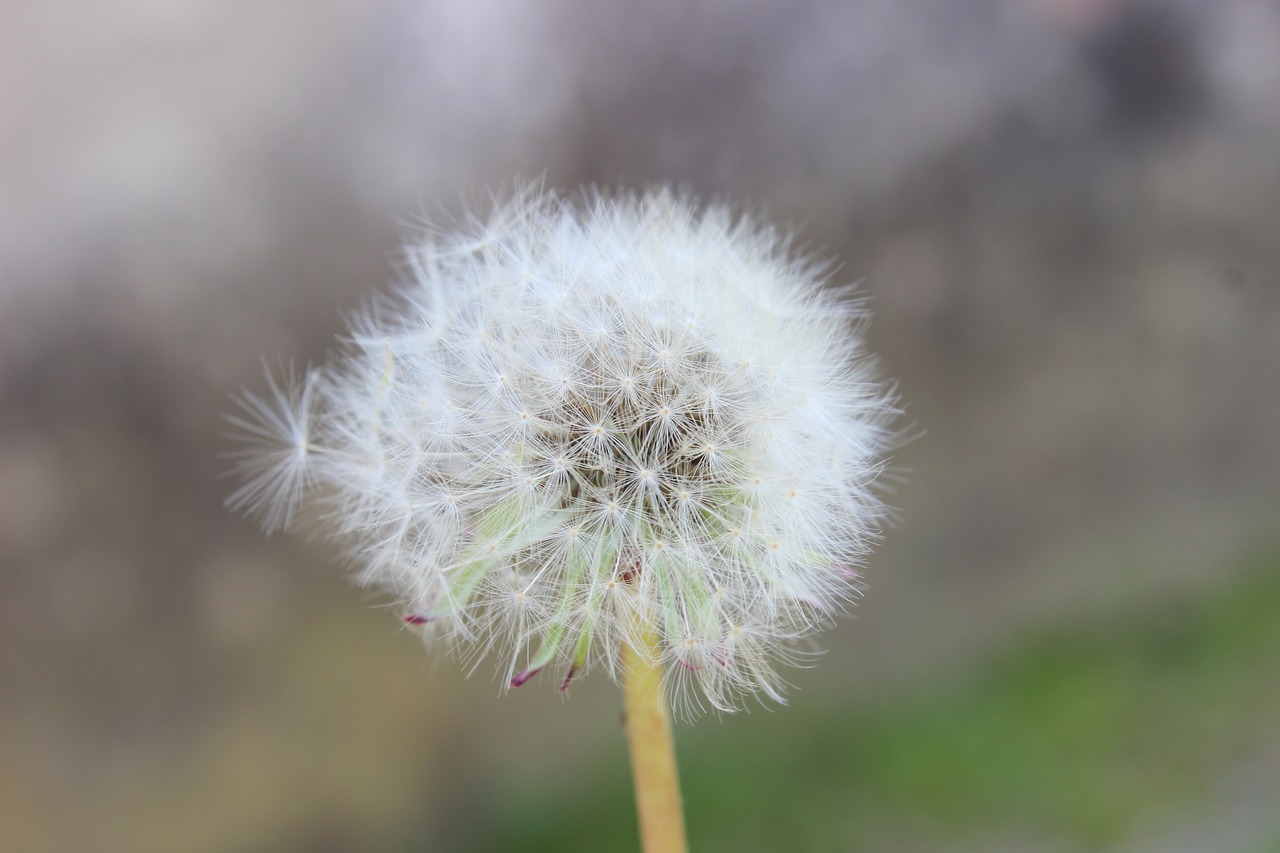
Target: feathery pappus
{"type": "Point", "coordinates": [576, 422]}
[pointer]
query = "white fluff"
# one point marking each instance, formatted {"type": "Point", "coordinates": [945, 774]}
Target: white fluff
{"type": "Point", "coordinates": [574, 424]}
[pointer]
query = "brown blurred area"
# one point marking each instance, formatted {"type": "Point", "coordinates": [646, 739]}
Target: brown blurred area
{"type": "Point", "coordinates": [1067, 213]}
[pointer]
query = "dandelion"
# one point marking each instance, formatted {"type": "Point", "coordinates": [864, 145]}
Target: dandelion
{"type": "Point", "coordinates": [627, 433]}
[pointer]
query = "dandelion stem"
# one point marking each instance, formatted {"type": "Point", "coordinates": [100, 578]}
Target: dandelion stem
{"type": "Point", "coordinates": [653, 754]}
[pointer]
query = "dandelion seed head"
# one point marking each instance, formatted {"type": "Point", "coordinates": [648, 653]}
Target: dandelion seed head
{"type": "Point", "coordinates": [575, 424]}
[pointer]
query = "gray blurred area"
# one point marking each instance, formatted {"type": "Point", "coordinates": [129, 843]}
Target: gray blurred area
{"type": "Point", "coordinates": [1066, 212]}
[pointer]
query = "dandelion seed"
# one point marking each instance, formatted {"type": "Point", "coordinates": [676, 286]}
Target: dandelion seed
{"type": "Point", "coordinates": [582, 426]}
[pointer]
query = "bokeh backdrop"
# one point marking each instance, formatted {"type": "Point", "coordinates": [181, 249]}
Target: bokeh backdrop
{"type": "Point", "coordinates": [1066, 212]}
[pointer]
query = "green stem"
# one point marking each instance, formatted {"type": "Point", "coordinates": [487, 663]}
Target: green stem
{"type": "Point", "coordinates": [653, 754]}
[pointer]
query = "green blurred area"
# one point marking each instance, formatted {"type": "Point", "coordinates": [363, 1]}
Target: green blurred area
{"type": "Point", "coordinates": [1147, 726]}
{"type": "Point", "coordinates": [1079, 738]}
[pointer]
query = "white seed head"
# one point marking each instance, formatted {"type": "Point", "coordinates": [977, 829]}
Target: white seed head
{"type": "Point", "coordinates": [578, 424]}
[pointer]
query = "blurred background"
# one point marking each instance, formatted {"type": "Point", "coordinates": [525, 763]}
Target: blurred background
{"type": "Point", "coordinates": [1067, 213]}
